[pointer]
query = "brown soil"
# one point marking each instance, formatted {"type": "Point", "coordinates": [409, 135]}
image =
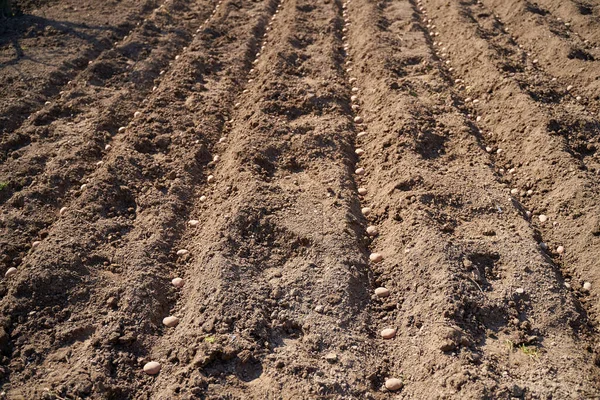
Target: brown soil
{"type": "Point", "coordinates": [479, 117]}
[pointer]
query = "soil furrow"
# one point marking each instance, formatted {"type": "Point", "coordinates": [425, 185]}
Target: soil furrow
{"type": "Point", "coordinates": [120, 253]}
{"type": "Point", "coordinates": [582, 15]}
{"type": "Point", "coordinates": [461, 261]}
{"type": "Point", "coordinates": [20, 52]}
{"type": "Point", "coordinates": [570, 115]}
{"type": "Point", "coordinates": [554, 46]}
{"type": "Point", "coordinates": [300, 199]}
{"type": "Point", "coordinates": [278, 257]}
{"type": "Point", "coordinates": [125, 70]}
{"type": "Point", "coordinates": [534, 143]}
{"type": "Point", "coordinates": [68, 142]}
{"type": "Point", "coordinates": [537, 163]}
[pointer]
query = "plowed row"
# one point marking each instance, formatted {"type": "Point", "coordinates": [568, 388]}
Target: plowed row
{"type": "Point", "coordinates": [246, 146]}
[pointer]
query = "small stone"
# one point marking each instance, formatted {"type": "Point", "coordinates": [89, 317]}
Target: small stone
{"type": "Point", "coordinates": [359, 152]}
{"type": "Point", "coordinates": [10, 272]}
{"type": "Point", "coordinates": [358, 120]}
{"type": "Point", "coordinates": [360, 171]}
{"type": "Point", "coordinates": [171, 321]}
{"type": "Point", "coordinates": [587, 286]}
{"type": "Point", "coordinates": [152, 368]}
{"type": "Point", "coordinates": [177, 282]}
{"type": "Point", "coordinates": [35, 244]}
{"type": "Point", "coordinates": [203, 198]}
{"type": "Point", "coordinates": [193, 222]}
{"type": "Point", "coordinates": [362, 191]}
{"type": "Point", "coordinates": [331, 358]}
{"type": "Point", "coordinates": [372, 230]}
{"type": "Point", "coordinates": [560, 249]}
{"type": "Point", "coordinates": [63, 210]}
{"type": "Point", "coordinates": [393, 384]}
{"type": "Point", "coordinates": [382, 292]}
{"type": "Point", "coordinates": [376, 257]}
{"type": "Point", "coordinates": [112, 302]}
{"type": "Point", "coordinates": [388, 333]}
{"type": "Point", "coordinates": [107, 147]}
{"type": "Point", "coordinates": [210, 179]}
{"type": "Point", "coordinates": [366, 211]}
{"type": "Point", "coordinates": [361, 134]}
{"type": "Point", "coordinates": [543, 218]}
{"type": "Point", "coordinates": [520, 290]}
{"type": "Point", "coordinates": [135, 115]}
{"type": "Point", "coordinates": [182, 252]}
{"type": "Point", "coordinates": [319, 308]}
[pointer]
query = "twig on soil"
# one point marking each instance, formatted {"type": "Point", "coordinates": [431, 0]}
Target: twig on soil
{"type": "Point", "coordinates": [476, 284]}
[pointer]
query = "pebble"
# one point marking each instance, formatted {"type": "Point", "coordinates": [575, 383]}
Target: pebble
{"type": "Point", "coordinates": [152, 368]}
{"type": "Point", "coordinates": [359, 152]}
{"type": "Point", "coordinates": [361, 134]}
{"type": "Point", "coordinates": [382, 292]}
{"type": "Point", "coordinates": [543, 218]}
{"type": "Point", "coordinates": [388, 333]}
{"type": "Point", "coordinates": [362, 191]}
{"type": "Point", "coordinates": [177, 282]}
{"type": "Point", "coordinates": [137, 114]}
{"type": "Point", "coordinates": [358, 120]}
{"type": "Point", "coordinates": [10, 272]}
{"type": "Point", "coordinates": [372, 230]}
{"type": "Point", "coordinates": [203, 198]}
{"type": "Point", "coordinates": [63, 210]}
{"type": "Point", "coordinates": [366, 211]}
{"type": "Point", "coordinates": [360, 171]}
{"type": "Point", "coordinates": [193, 222]}
{"type": "Point", "coordinates": [520, 290]}
{"type": "Point", "coordinates": [393, 384]}
{"type": "Point", "coordinates": [107, 147]}
{"type": "Point", "coordinates": [587, 286]}
{"type": "Point", "coordinates": [182, 252]}
{"type": "Point", "coordinates": [122, 129]}
{"type": "Point", "coordinates": [353, 97]}
{"type": "Point", "coordinates": [216, 158]}
{"type": "Point", "coordinates": [83, 187]}
{"type": "Point", "coordinates": [210, 179]}
{"type": "Point", "coordinates": [35, 244]}
{"type": "Point", "coordinates": [376, 257]}
{"type": "Point", "coordinates": [354, 89]}
{"type": "Point", "coordinates": [560, 249]}
{"type": "Point", "coordinates": [171, 321]}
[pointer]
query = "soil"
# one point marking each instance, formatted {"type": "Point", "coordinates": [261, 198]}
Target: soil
{"type": "Point", "coordinates": [122, 121]}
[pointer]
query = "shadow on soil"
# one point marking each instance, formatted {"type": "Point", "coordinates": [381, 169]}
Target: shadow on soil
{"type": "Point", "coordinates": [13, 30]}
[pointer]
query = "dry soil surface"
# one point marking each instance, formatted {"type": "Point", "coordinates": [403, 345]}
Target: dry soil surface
{"type": "Point", "coordinates": [285, 159]}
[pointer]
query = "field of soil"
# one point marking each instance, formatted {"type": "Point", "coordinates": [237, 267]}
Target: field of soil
{"type": "Point", "coordinates": [300, 199]}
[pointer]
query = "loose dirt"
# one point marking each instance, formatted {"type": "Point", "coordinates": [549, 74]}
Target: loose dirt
{"type": "Point", "coordinates": [300, 199]}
